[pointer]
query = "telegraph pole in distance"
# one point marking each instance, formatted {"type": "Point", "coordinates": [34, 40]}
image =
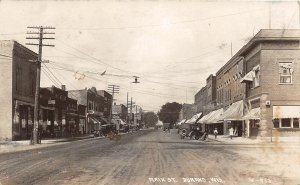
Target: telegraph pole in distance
{"type": "Point", "coordinates": [131, 111]}
{"type": "Point", "coordinates": [131, 103]}
{"type": "Point", "coordinates": [127, 109]}
{"type": "Point", "coordinates": [112, 89]}
{"type": "Point", "coordinates": [40, 36]}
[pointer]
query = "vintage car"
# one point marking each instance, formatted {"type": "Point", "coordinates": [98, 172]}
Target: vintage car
{"type": "Point", "coordinates": [193, 131]}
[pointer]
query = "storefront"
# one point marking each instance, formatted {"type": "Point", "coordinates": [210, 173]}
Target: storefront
{"type": "Point", "coordinates": [210, 121]}
{"type": "Point", "coordinates": [286, 121]}
{"type": "Point", "coordinates": [252, 120]}
{"type": "Point", "coordinates": [22, 120]}
{"type": "Point", "coordinates": [233, 118]}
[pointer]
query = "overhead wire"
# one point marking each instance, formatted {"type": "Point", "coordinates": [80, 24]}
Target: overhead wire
{"type": "Point", "coordinates": [150, 93]}
{"type": "Point", "coordinates": [170, 23]}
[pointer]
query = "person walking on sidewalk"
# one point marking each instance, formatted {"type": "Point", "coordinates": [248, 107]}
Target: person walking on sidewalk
{"type": "Point", "coordinates": [215, 133]}
{"type": "Point", "coordinates": [231, 132]}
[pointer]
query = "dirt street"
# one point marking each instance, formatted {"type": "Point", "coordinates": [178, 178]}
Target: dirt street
{"type": "Point", "coordinates": [151, 157]}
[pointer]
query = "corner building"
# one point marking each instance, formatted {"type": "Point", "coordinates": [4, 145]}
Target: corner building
{"type": "Point", "coordinates": [272, 79]}
{"type": "Point", "coordinates": [258, 89]}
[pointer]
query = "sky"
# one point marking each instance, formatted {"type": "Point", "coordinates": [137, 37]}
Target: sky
{"type": "Point", "coordinates": [172, 46]}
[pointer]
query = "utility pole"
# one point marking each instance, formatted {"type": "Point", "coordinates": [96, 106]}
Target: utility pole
{"type": "Point", "coordinates": [112, 89]}
{"type": "Point", "coordinates": [130, 104]}
{"type": "Point", "coordinates": [130, 110]}
{"type": "Point", "coordinates": [127, 109]}
{"type": "Point", "coordinates": [40, 37]}
{"type": "Point", "coordinates": [135, 116]}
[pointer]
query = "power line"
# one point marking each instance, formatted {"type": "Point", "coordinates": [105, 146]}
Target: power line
{"type": "Point", "coordinates": [16, 33]}
{"type": "Point", "coordinates": [5, 56]}
{"type": "Point", "coordinates": [50, 78]}
{"type": "Point", "coordinates": [59, 83]}
{"type": "Point", "coordinates": [53, 74]}
{"type": "Point", "coordinates": [171, 23]}
{"type": "Point", "coordinates": [162, 83]}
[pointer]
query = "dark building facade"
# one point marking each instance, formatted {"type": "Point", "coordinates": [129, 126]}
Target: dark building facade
{"type": "Point", "coordinates": [96, 110]}
{"type": "Point", "coordinates": [119, 111]}
{"type": "Point", "coordinates": [18, 76]}
{"type": "Point", "coordinates": [54, 112]}
{"type": "Point", "coordinates": [107, 102]}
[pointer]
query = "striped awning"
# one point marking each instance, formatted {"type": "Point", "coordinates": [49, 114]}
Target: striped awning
{"type": "Point", "coordinates": [286, 112]}
{"type": "Point", "coordinates": [234, 112]}
{"type": "Point", "coordinates": [211, 117]}
{"type": "Point", "coordinates": [248, 77]}
{"type": "Point", "coordinates": [253, 114]}
{"type": "Point", "coordinates": [194, 119]}
{"type": "Point", "coordinates": [182, 121]}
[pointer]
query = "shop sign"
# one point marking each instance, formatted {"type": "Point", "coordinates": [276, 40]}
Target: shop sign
{"type": "Point", "coordinates": [51, 102]}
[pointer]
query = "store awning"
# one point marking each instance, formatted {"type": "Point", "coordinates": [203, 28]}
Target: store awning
{"type": "Point", "coordinates": [234, 112]}
{"type": "Point", "coordinates": [180, 122]}
{"type": "Point", "coordinates": [204, 118]}
{"type": "Point", "coordinates": [120, 121]}
{"type": "Point", "coordinates": [194, 119]}
{"type": "Point", "coordinates": [95, 120]}
{"type": "Point", "coordinates": [159, 123]}
{"type": "Point", "coordinates": [114, 122]}
{"type": "Point", "coordinates": [286, 112]}
{"type": "Point", "coordinates": [215, 116]}
{"type": "Point", "coordinates": [253, 114]}
{"type": "Point", "coordinates": [248, 77]}
{"type": "Point", "coordinates": [104, 120]}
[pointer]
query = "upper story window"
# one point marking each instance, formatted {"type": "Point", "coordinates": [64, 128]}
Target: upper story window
{"type": "Point", "coordinates": [286, 70]}
{"type": "Point", "coordinates": [256, 77]}
{"type": "Point", "coordinates": [90, 106]}
{"type": "Point", "coordinates": [18, 79]}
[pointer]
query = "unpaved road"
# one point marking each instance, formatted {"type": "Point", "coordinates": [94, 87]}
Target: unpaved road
{"type": "Point", "coordinates": [150, 157]}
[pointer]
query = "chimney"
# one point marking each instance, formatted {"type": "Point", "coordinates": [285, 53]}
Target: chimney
{"type": "Point", "coordinates": [63, 87]}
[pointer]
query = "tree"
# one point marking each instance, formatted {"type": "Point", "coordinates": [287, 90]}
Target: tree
{"type": "Point", "coordinates": [150, 119]}
{"type": "Point", "coordinates": [169, 113]}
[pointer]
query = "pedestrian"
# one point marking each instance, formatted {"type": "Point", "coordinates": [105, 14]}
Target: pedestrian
{"type": "Point", "coordinates": [216, 133]}
{"type": "Point", "coordinates": [231, 132]}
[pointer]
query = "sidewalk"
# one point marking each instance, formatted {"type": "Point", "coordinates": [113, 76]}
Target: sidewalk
{"type": "Point", "coordinates": [14, 146]}
{"type": "Point", "coordinates": [259, 140]}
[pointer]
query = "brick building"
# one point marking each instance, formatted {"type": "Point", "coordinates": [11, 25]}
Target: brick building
{"type": "Point", "coordinates": [272, 79]}
{"type": "Point", "coordinates": [257, 90]}
{"type": "Point", "coordinates": [97, 107]}
{"type": "Point", "coordinates": [187, 111]}
{"type": "Point", "coordinates": [17, 76]}
{"type": "Point", "coordinates": [107, 102]}
{"type": "Point", "coordinates": [205, 99]}
{"type": "Point", "coordinates": [54, 105]}
{"type": "Point", "coordinates": [119, 111]}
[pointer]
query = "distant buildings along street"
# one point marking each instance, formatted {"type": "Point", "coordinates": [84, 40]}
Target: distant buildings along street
{"type": "Point", "coordinates": [62, 113]}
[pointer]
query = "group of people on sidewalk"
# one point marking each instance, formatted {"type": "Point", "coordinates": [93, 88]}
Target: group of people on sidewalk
{"type": "Point", "coordinates": [231, 132]}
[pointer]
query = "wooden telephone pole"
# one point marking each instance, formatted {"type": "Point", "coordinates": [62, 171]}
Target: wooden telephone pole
{"type": "Point", "coordinates": [113, 89]}
{"type": "Point", "coordinates": [39, 36]}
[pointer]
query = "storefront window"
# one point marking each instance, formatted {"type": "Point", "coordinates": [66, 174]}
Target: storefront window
{"type": "Point", "coordinates": [296, 123]}
{"type": "Point", "coordinates": [285, 122]}
{"type": "Point", "coordinates": [276, 123]}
